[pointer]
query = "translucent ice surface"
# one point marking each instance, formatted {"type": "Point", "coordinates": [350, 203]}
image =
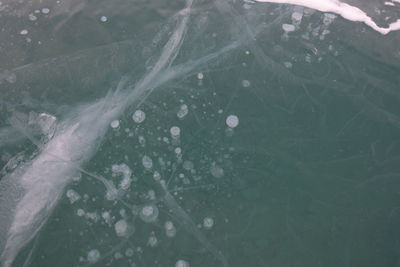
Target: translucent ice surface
{"type": "Point", "coordinates": [199, 133]}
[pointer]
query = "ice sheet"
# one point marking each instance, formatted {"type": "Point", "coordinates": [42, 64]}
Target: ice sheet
{"type": "Point", "coordinates": [225, 41]}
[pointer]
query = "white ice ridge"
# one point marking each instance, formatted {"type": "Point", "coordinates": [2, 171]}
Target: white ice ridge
{"type": "Point", "coordinates": [40, 183]}
{"type": "Point", "coordinates": [347, 11]}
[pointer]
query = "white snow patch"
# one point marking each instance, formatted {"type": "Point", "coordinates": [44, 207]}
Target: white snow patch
{"type": "Point", "coordinates": [345, 10]}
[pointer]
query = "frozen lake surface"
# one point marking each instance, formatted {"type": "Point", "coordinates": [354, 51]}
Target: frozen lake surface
{"type": "Point", "coordinates": [199, 133]}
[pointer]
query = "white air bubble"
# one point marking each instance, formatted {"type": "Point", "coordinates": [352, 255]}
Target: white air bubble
{"type": "Point", "coordinates": [245, 83]}
{"type": "Point", "coordinates": [93, 256]}
{"type": "Point", "coordinates": [216, 171]}
{"type": "Point", "coordinates": [24, 32]}
{"type": "Point", "coordinates": [297, 16]}
{"type": "Point", "coordinates": [139, 116]}
{"type": "Point", "coordinates": [183, 111]}
{"type": "Point", "coordinates": [147, 162]}
{"type": "Point", "coordinates": [151, 194]}
{"type": "Point", "coordinates": [114, 124]}
{"type": "Point", "coordinates": [152, 242]}
{"type": "Point", "coordinates": [208, 223]}
{"type": "Point", "coordinates": [178, 150]}
{"type": "Point", "coordinates": [80, 212]}
{"type": "Point", "coordinates": [121, 228]}
{"type": "Point", "coordinates": [129, 252]}
{"type": "Point", "coordinates": [32, 17]}
{"type": "Point", "coordinates": [188, 165]}
{"type": "Point", "coordinates": [232, 121]}
{"type": "Point", "coordinates": [288, 27]}
{"type": "Point", "coordinates": [182, 263]}
{"type": "Point", "coordinates": [142, 140]}
{"type": "Point", "coordinates": [170, 229]}
{"type": "Point", "coordinates": [92, 216]}
{"type": "Point", "coordinates": [149, 213]}
{"type": "Point", "coordinates": [103, 19]}
{"type": "Point", "coordinates": [328, 19]}
{"type": "Point", "coordinates": [156, 176]}
{"type": "Point", "coordinates": [118, 255]}
{"type": "Point", "coordinates": [288, 64]}
{"type": "Point", "coordinates": [106, 217]}
{"type": "Point", "coordinates": [200, 76]}
{"type": "Point", "coordinates": [175, 131]}
{"type": "Point", "coordinates": [45, 10]}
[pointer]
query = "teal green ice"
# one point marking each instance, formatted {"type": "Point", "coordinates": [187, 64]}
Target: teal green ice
{"type": "Point", "coordinates": [199, 133]}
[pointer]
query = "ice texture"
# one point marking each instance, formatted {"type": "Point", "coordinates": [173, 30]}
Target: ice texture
{"type": "Point", "coordinates": [192, 46]}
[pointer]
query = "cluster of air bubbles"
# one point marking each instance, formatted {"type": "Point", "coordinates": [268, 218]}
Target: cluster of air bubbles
{"type": "Point", "coordinates": [32, 17]}
{"type": "Point", "coordinates": [328, 19]}
{"type": "Point", "coordinates": [149, 213]}
{"type": "Point", "coordinates": [77, 177]}
{"type": "Point", "coordinates": [170, 230]}
{"type": "Point", "coordinates": [248, 4]}
{"type": "Point", "coordinates": [139, 116]}
{"type": "Point", "coordinates": [320, 31]}
{"type": "Point", "coordinates": [106, 217]}
{"type": "Point", "coordinates": [183, 111]}
{"type": "Point", "coordinates": [73, 196]}
{"type": "Point", "coordinates": [182, 263]}
{"type": "Point", "coordinates": [296, 18]}
{"type": "Point", "coordinates": [126, 173]}
{"type": "Point", "coordinates": [114, 124]}
{"type": "Point", "coordinates": [92, 216]}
